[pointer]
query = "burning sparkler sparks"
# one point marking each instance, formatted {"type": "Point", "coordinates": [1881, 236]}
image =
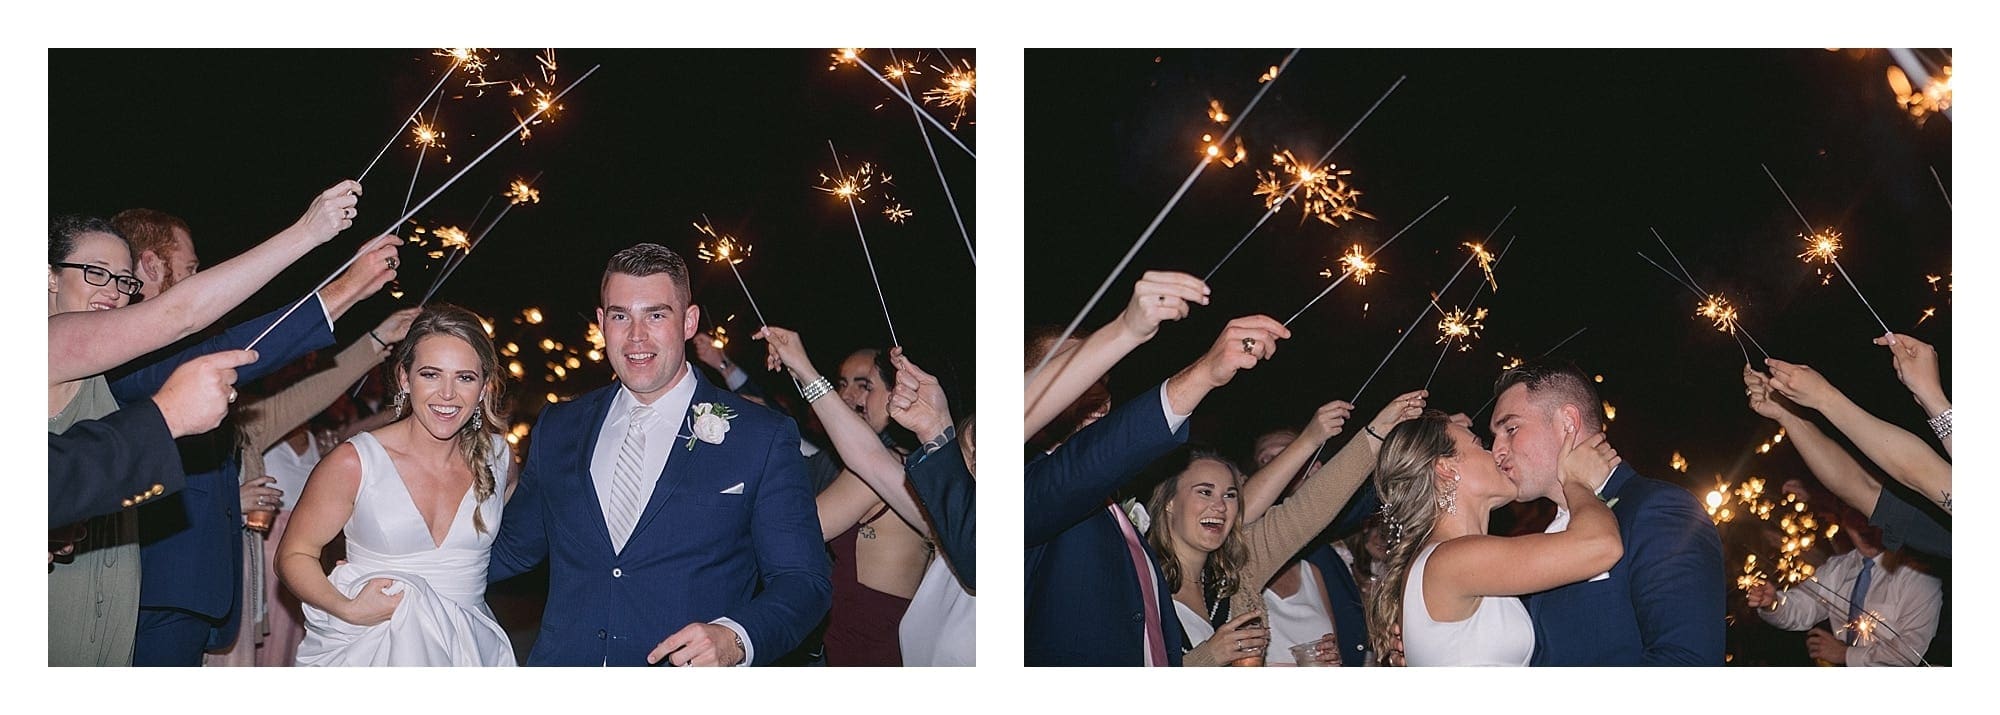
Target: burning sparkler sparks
{"type": "Point", "coordinates": [1679, 463]}
{"type": "Point", "coordinates": [1928, 312]}
{"type": "Point", "coordinates": [1717, 309]}
{"type": "Point", "coordinates": [1356, 264]}
{"type": "Point", "coordinates": [1485, 262]}
{"type": "Point", "coordinates": [1459, 326]}
{"type": "Point", "coordinates": [957, 89]}
{"type": "Point", "coordinates": [1215, 113]}
{"type": "Point", "coordinates": [1269, 74]}
{"type": "Point", "coordinates": [852, 187]}
{"type": "Point", "coordinates": [451, 237]}
{"type": "Point", "coordinates": [1326, 196]}
{"type": "Point", "coordinates": [845, 56]}
{"type": "Point", "coordinates": [1934, 98]}
{"type": "Point", "coordinates": [521, 193]}
{"type": "Point", "coordinates": [1823, 246]}
{"type": "Point", "coordinates": [427, 136]}
{"type": "Point", "coordinates": [728, 250]}
{"type": "Point", "coordinates": [896, 213]}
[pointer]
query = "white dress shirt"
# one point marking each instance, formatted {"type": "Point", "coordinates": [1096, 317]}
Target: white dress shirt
{"type": "Point", "coordinates": [669, 415]}
{"type": "Point", "coordinates": [1905, 599]}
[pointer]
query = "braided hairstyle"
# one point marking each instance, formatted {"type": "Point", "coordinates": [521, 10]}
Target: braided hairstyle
{"type": "Point", "coordinates": [1406, 479]}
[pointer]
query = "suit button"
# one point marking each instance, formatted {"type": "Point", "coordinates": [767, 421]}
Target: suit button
{"type": "Point", "coordinates": [157, 490]}
{"type": "Point", "coordinates": [617, 573]}
{"type": "Point", "coordinates": [600, 634]}
{"type": "Point", "coordinates": [127, 503]}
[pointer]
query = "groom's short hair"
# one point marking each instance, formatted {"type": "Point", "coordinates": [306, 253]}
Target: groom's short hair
{"type": "Point", "coordinates": [647, 259]}
{"type": "Point", "coordinates": [1558, 380]}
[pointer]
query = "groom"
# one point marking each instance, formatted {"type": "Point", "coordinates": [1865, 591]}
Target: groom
{"type": "Point", "coordinates": [676, 515]}
{"type": "Point", "coordinates": [1663, 602]}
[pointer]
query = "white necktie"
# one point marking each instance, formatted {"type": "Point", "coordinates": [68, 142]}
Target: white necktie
{"type": "Point", "coordinates": [628, 494]}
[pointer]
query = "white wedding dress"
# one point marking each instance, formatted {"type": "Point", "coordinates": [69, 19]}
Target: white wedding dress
{"type": "Point", "coordinates": [443, 618]}
{"type": "Point", "coordinates": [1499, 632]}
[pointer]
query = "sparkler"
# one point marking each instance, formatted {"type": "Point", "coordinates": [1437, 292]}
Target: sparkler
{"type": "Point", "coordinates": [519, 192]}
{"type": "Point", "coordinates": [1933, 99]}
{"type": "Point", "coordinates": [1148, 233]}
{"type": "Point", "coordinates": [1406, 331]}
{"type": "Point", "coordinates": [846, 190]}
{"type": "Point", "coordinates": [1824, 245]}
{"type": "Point", "coordinates": [957, 89]}
{"type": "Point", "coordinates": [1862, 626]}
{"type": "Point", "coordinates": [411, 212]}
{"type": "Point", "coordinates": [948, 199]}
{"type": "Point", "coordinates": [1361, 264]}
{"type": "Point", "coordinates": [852, 55]}
{"type": "Point", "coordinates": [459, 57]}
{"type": "Point", "coordinates": [1714, 307]}
{"type": "Point", "coordinates": [1456, 326]}
{"type": "Point", "coordinates": [1340, 204]}
{"type": "Point", "coordinates": [728, 250]}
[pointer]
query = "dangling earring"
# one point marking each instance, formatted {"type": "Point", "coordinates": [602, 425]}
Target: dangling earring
{"type": "Point", "coordinates": [477, 422]}
{"type": "Point", "coordinates": [1448, 496]}
{"type": "Point", "coordinates": [402, 402]}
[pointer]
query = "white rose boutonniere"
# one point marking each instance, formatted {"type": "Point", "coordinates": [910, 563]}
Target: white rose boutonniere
{"type": "Point", "coordinates": [711, 423]}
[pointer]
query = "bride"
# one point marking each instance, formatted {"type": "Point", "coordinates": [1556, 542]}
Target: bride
{"type": "Point", "coordinates": [416, 500]}
{"type": "Point", "coordinates": [1450, 586]}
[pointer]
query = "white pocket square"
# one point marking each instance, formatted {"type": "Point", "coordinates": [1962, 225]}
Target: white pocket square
{"type": "Point", "coordinates": [738, 489]}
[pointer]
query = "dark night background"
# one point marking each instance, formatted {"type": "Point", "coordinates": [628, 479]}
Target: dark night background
{"type": "Point", "coordinates": [1594, 147]}
{"type": "Point", "coordinates": [238, 143]}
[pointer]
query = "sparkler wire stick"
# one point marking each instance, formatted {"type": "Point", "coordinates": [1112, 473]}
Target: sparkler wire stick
{"type": "Point", "coordinates": [864, 250]}
{"type": "Point", "coordinates": [1702, 294]}
{"type": "Point", "coordinates": [1148, 233]}
{"type": "Point", "coordinates": [953, 203]}
{"type": "Point", "coordinates": [1941, 189]}
{"type": "Point", "coordinates": [913, 105]}
{"type": "Point", "coordinates": [1565, 341]}
{"type": "Point", "coordinates": [1371, 254]}
{"type": "Point", "coordinates": [1449, 341]}
{"type": "Point", "coordinates": [1830, 258]}
{"type": "Point", "coordinates": [753, 299]}
{"type": "Point", "coordinates": [1866, 615]}
{"type": "Point", "coordinates": [1408, 330]}
{"type": "Point", "coordinates": [421, 148]}
{"type": "Point", "coordinates": [452, 262]}
{"type": "Point", "coordinates": [1295, 187]}
{"type": "Point", "coordinates": [413, 117]}
{"type": "Point", "coordinates": [419, 207]}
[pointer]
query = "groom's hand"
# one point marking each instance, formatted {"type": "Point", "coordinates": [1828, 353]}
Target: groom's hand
{"type": "Point", "coordinates": [702, 644]}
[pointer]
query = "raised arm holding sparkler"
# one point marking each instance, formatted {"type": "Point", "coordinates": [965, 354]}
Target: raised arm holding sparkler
{"type": "Point", "coordinates": [1917, 366]}
{"type": "Point", "coordinates": [75, 351]}
{"type": "Point", "coordinates": [1159, 296]}
{"type": "Point", "coordinates": [1903, 455]}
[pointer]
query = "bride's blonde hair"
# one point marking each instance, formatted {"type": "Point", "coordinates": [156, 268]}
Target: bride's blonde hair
{"type": "Point", "coordinates": [475, 444]}
{"type": "Point", "coordinates": [1406, 479]}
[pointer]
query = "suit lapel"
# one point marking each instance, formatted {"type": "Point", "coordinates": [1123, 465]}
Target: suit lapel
{"type": "Point", "coordinates": [596, 409]}
{"type": "Point", "coordinates": [681, 462]}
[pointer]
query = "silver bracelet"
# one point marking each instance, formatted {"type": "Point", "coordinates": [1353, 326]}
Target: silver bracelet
{"type": "Point", "coordinates": [1941, 424]}
{"type": "Point", "coordinates": [816, 389]}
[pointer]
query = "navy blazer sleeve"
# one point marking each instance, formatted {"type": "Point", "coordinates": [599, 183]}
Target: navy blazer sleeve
{"type": "Point", "coordinates": [1083, 474]}
{"type": "Point", "coordinates": [950, 496]}
{"type": "Point", "coordinates": [1679, 585]}
{"type": "Point", "coordinates": [97, 464]}
{"type": "Point", "coordinates": [791, 555]}
{"type": "Point", "coordinates": [304, 331]}
{"type": "Point", "coordinates": [1905, 523]}
{"type": "Point", "coordinates": [523, 542]}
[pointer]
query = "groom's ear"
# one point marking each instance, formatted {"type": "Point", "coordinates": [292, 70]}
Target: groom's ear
{"type": "Point", "coordinates": [690, 322]}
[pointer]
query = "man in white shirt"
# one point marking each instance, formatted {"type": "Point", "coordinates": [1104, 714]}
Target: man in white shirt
{"type": "Point", "coordinates": [1897, 614]}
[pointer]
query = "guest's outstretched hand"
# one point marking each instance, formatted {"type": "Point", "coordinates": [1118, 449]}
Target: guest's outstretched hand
{"type": "Point", "coordinates": [1406, 406]}
{"type": "Point", "coordinates": [1757, 388]}
{"type": "Point", "coordinates": [786, 350]}
{"type": "Point", "coordinates": [1160, 296]}
{"type": "Point", "coordinates": [1761, 595]}
{"type": "Point", "coordinates": [1242, 344]}
{"type": "Point", "coordinates": [331, 212]}
{"type": "Point", "coordinates": [1327, 421]}
{"type": "Point", "coordinates": [1916, 364]}
{"type": "Point", "coordinates": [397, 326]}
{"type": "Point", "coordinates": [1802, 384]}
{"type": "Point", "coordinates": [918, 402]}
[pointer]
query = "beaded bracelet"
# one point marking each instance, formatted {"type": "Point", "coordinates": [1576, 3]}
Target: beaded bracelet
{"type": "Point", "coordinates": [1941, 424]}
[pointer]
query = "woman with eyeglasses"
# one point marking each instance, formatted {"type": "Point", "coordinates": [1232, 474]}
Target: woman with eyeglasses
{"type": "Point", "coordinates": [93, 585]}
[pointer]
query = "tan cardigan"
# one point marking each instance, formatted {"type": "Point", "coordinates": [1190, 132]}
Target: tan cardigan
{"type": "Point", "coordinates": [1290, 525]}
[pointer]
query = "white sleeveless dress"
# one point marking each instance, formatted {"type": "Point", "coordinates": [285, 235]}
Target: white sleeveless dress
{"type": "Point", "coordinates": [1303, 618]}
{"type": "Point", "coordinates": [443, 619]}
{"type": "Point", "coordinates": [1498, 633]}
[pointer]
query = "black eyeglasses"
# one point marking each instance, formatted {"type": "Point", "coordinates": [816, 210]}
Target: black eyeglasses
{"type": "Point", "coordinates": [98, 275]}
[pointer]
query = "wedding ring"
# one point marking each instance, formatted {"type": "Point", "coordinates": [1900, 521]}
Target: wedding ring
{"type": "Point", "coordinates": [347, 212]}
{"type": "Point", "coordinates": [393, 263]}
{"type": "Point", "coordinates": [1249, 346]}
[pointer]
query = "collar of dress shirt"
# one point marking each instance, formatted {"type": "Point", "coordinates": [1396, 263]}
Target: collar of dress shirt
{"type": "Point", "coordinates": [669, 408]}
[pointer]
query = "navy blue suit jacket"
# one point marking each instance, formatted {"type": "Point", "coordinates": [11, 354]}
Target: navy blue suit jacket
{"type": "Point", "coordinates": [951, 498]}
{"type": "Point", "coordinates": [1083, 601]}
{"type": "Point", "coordinates": [696, 555]}
{"type": "Point", "coordinates": [96, 465]}
{"type": "Point", "coordinates": [1664, 603]}
{"type": "Point", "coordinates": [1343, 595]}
{"type": "Point", "coordinates": [190, 545]}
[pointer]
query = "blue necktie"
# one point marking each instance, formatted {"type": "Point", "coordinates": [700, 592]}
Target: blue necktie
{"type": "Point", "coordinates": [1854, 599]}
